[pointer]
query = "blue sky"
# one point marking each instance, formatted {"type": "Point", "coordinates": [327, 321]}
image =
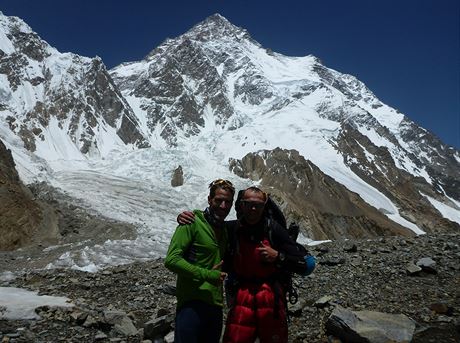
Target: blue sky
{"type": "Point", "coordinates": [406, 51]}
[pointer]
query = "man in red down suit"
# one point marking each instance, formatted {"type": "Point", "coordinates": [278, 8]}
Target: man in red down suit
{"type": "Point", "coordinates": [261, 255]}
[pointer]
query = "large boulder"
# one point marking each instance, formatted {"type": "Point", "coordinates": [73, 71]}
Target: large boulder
{"type": "Point", "coordinates": [369, 326]}
{"type": "Point", "coordinates": [178, 177]}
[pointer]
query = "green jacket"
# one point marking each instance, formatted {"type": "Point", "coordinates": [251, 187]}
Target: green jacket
{"type": "Point", "coordinates": [193, 252]}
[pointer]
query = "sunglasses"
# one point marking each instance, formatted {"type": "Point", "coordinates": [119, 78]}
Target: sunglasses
{"type": "Point", "coordinates": [220, 201]}
{"type": "Point", "coordinates": [221, 182]}
{"type": "Point", "coordinates": [252, 204]}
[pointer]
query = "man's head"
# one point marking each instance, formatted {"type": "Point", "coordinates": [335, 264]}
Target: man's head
{"type": "Point", "coordinates": [220, 198]}
{"type": "Point", "coordinates": [252, 204]}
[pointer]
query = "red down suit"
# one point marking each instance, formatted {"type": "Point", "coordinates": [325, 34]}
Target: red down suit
{"type": "Point", "coordinates": [257, 308]}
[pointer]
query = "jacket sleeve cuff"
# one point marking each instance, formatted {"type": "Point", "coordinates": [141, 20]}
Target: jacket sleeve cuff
{"type": "Point", "coordinates": [212, 276]}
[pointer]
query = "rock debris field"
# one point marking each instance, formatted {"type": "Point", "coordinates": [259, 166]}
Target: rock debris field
{"type": "Point", "coordinates": [409, 282]}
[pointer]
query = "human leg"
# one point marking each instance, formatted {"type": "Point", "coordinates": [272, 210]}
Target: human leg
{"type": "Point", "coordinates": [211, 323]}
{"type": "Point", "coordinates": [271, 315]}
{"type": "Point", "coordinates": [198, 322]}
{"type": "Point", "coordinates": [187, 324]}
{"type": "Point", "coordinates": [241, 326]}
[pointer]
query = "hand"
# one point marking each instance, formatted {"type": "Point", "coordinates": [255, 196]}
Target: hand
{"type": "Point", "coordinates": [223, 275]}
{"type": "Point", "coordinates": [186, 217]}
{"type": "Point", "coordinates": [267, 253]}
{"type": "Point", "coordinates": [218, 265]}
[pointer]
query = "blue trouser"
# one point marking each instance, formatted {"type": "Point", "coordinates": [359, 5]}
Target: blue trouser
{"type": "Point", "coordinates": [198, 322]}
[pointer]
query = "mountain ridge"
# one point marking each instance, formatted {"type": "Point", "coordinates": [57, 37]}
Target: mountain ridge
{"type": "Point", "coordinates": [75, 94]}
{"type": "Point", "coordinates": [201, 100]}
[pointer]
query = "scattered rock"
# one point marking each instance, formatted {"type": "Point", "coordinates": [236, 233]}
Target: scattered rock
{"type": "Point", "coordinates": [100, 336]}
{"type": "Point", "coordinates": [169, 338]}
{"type": "Point", "coordinates": [427, 264]}
{"type": "Point", "coordinates": [413, 269]}
{"type": "Point", "coordinates": [121, 323]}
{"type": "Point", "coordinates": [323, 301]}
{"type": "Point", "coordinates": [169, 289]}
{"type": "Point", "coordinates": [143, 292]}
{"type": "Point", "coordinates": [332, 261]}
{"type": "Point", "coordinates": [178, 177]}
{"type": "Point", "coordinates": [158, 327]}
{"type": "Point", "coordinates": [350, 247]}
{"type": "Point", "coordinates": [441, 308]}
{"type": "Point", "coordinates": [296, 309]}
{"type": "Point", "coordinates": [369, 326]}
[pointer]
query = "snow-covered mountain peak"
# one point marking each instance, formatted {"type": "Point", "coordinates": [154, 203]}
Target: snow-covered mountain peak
{"type": "Point", "coordinates": [16, 37]}
{"type": "Point", "coordinates": [9, 24]}
{"type": "Point", "coordinates": [214, 85]}
{"type": "Point", "coordinates": [61, 105]}
{"type": "Point", "coordinates": [214, 95]}
{"type": "Point", "coordinates": [216, 71]}
{"type": "Point", "coordinates": [215, 27]}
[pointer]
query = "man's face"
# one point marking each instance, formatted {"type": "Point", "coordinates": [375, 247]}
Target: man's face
{"type": "Point", "coordinates": [252, 206]}
{"type": "Point", "coordinates": [221, 203]}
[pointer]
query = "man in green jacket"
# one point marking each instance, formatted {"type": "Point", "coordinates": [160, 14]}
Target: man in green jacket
{"type": "Point", "coordinates": [195, 254]}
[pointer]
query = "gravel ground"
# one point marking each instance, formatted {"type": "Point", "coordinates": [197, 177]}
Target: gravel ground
{"type": "Point", "coordinates": [358, 275]}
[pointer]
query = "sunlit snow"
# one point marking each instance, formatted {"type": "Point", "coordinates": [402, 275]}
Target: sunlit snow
{"type": "Point", "coordinates": [18, 303]}
{"type": "Point", "coordinates": [447, 211]}
{"type": "Point", "coordinates": [132, 185]}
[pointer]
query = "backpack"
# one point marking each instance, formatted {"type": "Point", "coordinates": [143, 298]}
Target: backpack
{"type": "Point", "coordinates": [273, 212]}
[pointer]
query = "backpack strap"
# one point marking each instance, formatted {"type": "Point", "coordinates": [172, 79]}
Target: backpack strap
{"type": "Point", "coordinates": [268, 230]}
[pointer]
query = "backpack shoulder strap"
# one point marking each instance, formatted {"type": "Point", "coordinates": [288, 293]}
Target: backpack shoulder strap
{"type": "Point", "coordinates": [268, 231]}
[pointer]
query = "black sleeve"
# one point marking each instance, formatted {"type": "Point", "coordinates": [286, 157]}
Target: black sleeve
{"type": "Point", "coordinates": [292, 255]}
{"type": "Point", "coordinates": [231, 227]}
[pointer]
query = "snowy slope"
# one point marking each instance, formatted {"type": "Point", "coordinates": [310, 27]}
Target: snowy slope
{"type": "Point", "coordinates": [200, 99]}
{"type": "Point", "coordinates": [61, 105]}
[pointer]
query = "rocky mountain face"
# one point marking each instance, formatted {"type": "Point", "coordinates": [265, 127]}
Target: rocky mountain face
{"type": "Point", "coordinates": [21, 217]}
{"type": "Point", "coordinates": [179, 82]}
{"type": "Point", "coordinates": [215, 89]}
{"type": "Point", "coordinates": [217, 70]}
{"type": "Point", "coordinates": [36, 216]}
{"type": "Point", "coordinates": [441, 161]}
{"type": "Point", "coordinates": [44, 91]}
{"type": "Point", "coordinates": [324, 208]}
{"type": "Point", "coordinates": [328, 210]}
{"type": "Point", "coordinates": [403, 188]}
